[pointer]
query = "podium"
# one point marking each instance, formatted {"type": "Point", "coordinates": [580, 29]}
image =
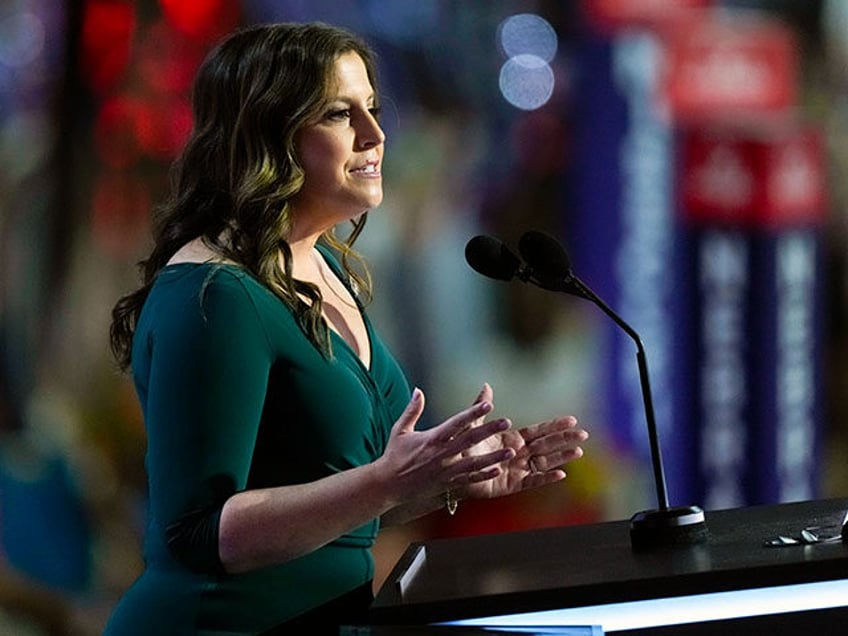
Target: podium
{"type": "Point", "coordinates": [590, 575]}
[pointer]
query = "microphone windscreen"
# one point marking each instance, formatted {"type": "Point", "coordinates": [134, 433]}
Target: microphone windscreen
{"type": "Point", "coordinates": [489, 256]}
{"type": "Point", "coordinates": [545, 255]}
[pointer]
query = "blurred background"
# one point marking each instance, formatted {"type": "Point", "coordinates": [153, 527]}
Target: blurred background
{"type": "Point", "coordinates": [691, 154]}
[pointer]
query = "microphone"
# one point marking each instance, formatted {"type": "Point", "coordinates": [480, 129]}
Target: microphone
{"type": "Point", "coordinates": [549, 267]}
{"type": "Point", "coordinates": [488, 256]}
{"type": "Point", "coordinates": [550, 264]}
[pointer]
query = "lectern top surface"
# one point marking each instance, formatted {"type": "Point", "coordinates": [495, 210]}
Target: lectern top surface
{"type": "Point", "coordinates": [591, 564]}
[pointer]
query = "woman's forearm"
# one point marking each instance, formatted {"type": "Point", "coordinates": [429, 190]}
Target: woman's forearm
{"type": "Point", "coordinates": [269, 526]}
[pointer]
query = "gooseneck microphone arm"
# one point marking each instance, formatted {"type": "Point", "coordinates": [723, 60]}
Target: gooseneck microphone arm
{"type": "Point", "coordinates": [645, 383]}
{"type": "Point", "coordinates": [548, 266]}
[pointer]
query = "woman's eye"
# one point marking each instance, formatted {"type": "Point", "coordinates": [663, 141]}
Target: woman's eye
{"type": "Point", "coordinates": [339, 115]}
{"type": "Point", "coordinates": [375, 111]}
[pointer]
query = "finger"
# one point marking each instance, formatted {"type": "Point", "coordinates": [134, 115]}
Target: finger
{"type": "Point", "coordinates": [535, 431]}
{"type": "Point", "coordinates": [476, 463]}
{"type": "Point", "coordinates": [486, 394]}
{"type": "Point", "coordinates": [476, 477]}
{"type": "Point", "coordinates": [552, 461]}
{"type": "Point", "coordinates": [470, 437]}
{"type": "Point", "coordinates": [453, 426]}
{"type": "Point", "coordinates": [477, 472]}
{"type": "Point", "coordinates": [559, 431]}
{"type": "Point", "coordinates": [409, 418]}
{"type": "Point", "coordinates": [561, 440]}
{"type": "Point", "coordinates": [562, 457]}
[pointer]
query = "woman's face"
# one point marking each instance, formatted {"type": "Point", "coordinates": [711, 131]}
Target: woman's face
{"type": "Point", "coordinates": [341, 152]}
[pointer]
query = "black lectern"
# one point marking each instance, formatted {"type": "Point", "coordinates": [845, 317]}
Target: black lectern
{"type": "Point", "coordinates": [734, 580]}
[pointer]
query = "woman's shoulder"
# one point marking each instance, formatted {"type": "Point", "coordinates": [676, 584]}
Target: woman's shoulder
{"type": "Point", "coordinates": [211, 283]}
{"type": "Point", "coordinates": [195, 265]}
{"type": "Point", "coordinates": [195, 303]}
{"type": "Point", "coordinates": [180, 277]}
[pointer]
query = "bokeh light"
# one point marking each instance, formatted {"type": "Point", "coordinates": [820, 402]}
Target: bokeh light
{"type": "Point", "coordinates": [106, 42]}
{"type": "Point", "coordinates": [530, 34]}
{"type": "Point", "coordinates": [203, 20]}
{"type": "Point", "coordinates": [21, 39]}
{"type": "Point", "coordinates": [526, 79]}
{"type": "Point", "coordinates": [26, 139]}
{"type": "Point", "coordinates": [165, 61]}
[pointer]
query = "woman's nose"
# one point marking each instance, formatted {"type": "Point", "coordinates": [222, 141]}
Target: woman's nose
{"type": "Point", "coordinates": [370, 133]}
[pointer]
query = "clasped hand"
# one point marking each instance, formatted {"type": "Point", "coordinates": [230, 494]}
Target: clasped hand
{"type": "Point", "coordinates": [476, 458]}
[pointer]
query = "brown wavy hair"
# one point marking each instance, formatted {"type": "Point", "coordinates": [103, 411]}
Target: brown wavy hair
{"type": "Point", "coordinates": [235, 178]}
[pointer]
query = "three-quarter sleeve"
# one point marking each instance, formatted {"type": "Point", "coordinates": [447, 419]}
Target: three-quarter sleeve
{"type": "Point", "coordinates": [205, 389]}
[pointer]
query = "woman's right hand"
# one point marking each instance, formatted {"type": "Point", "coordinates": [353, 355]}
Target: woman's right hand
{"type": "Point", "coordinates": [422, 464]}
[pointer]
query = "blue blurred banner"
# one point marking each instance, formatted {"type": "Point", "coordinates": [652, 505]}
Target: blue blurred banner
{"type": "Point", "coordinates": [702, 230]}
{"type": "Point", "coordinates": [624, 240]}
{"type": "Point", "coordinates": [786, 365]}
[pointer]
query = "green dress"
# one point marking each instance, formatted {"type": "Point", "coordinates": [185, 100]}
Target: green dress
{"type": "Point", "coordinates": [235, 397]}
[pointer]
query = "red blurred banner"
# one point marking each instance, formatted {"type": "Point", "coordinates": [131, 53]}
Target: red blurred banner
{"type": "Point", "coordinates": [614, 14]}
{"type": "Point", "coordinates": [730, 65]}
{"type": "Point", "coordinates": [766, 179]}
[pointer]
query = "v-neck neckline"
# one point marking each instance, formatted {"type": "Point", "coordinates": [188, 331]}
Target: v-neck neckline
{"type": "Point", "coordinates": [366, 365]}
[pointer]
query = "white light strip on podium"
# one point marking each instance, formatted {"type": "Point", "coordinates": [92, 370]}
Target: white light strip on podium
{"type": "Point", "coordinates": [683, 609]}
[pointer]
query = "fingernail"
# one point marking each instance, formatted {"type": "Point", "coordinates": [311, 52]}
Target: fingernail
{"type": "Point", "coordinates": [416, 395]}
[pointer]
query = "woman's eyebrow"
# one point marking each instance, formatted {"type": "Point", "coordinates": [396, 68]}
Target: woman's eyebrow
{"type": "Point", "coordinates": [371, 99]}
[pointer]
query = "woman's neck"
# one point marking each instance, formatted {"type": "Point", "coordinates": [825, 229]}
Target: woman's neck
{"type": "Point", "coordinates": [304, 261]}
{"type": "Point", "coordinates": [195, 251]}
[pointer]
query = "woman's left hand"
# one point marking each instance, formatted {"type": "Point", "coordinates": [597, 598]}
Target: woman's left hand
{"type": "Point", "coordinates": [541, 451]}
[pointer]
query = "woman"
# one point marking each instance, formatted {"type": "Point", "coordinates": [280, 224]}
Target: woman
{"type": "Point", "coordinates": [281, 432]}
